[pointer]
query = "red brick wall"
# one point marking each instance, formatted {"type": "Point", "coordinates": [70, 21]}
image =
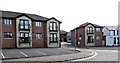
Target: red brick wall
{"type": "Point", "coordinates": [0, 33]}
{"type": "Point", "coordinates": [98, 42]}
{"type": "Point", "coordinates": [81, 31]}
{"type": "Point", "coordinates": [9, 43]}
{"type": "Point", "coordinates": [37, 42]}
{"type": "Point", "coordinates": [72, 38]}
{"type": "Point", "coordinates": [45, 33]}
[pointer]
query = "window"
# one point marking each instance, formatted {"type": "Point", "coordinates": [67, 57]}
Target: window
{"type": "Point", "coordinates": [53, 37]}
{"type": "Point", "coordinates": [114, 32]}
{"type": "Point", "coordinates": [97, 29]}
{"type": "Point", "coordinates": [97, 37]}
{"type": "Point", "coordinates": [38, 24]}
{"type": "Point", "coordinates": [38, 36]}
{"type": "Point", "coordinates": [117, 32]}
{"type": "Point", "coordinates": [114, 40]}
{"type": "Point", "coordinates": [24, 34]}
{"type": "Point", "coordinates": [89, 30]}
{"type": "Point", "coordinates": [24, 24]}
{"type": "Point", "coordinates": [8, 35]}
{"type": "Point", "coordinates": [118, 39]}
{"type": "Point", "coordinates": [53, 26]}
{"type": "Point", "coordinates": [111, 32]}
{"type": "Point", "coordinates": [8, 21]}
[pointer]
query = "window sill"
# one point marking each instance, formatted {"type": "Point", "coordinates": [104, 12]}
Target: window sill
{"type": "Point", "coordinates": [38, 26]}
{"type": "Point", "coordinates": [39, 39]}
{"type": "Point", "coordinates": [7, 25]}
{"type": "Point", "coordinates": [8, 38]}
{"type": "Point", "coordinates": [98, 31]}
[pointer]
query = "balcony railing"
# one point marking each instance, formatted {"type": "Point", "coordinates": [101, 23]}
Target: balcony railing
{"type": "Point", "coordinates": [24, 39]}
{"type": "Point", "coordinates": [90, 31]}
{"type": "Point", "coordinates": [24, 27]}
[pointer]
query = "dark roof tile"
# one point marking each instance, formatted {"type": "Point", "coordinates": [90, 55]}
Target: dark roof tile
{"type": "Point", "coordinates": [9, 14]}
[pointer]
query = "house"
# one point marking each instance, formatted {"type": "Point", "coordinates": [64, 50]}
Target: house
{"type": "Point", "coordinates": [111, 35]}
{"type": "Point", "coordinates": [63, 36]}
{"type": "Point", "coordinates": [21, 30]}
{"type": "Point", "coordinates": [87, 34]}
{"type": "Point", "coordinates": [68, 37]}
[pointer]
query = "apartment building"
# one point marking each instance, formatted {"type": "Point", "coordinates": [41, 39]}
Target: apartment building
{"type": "Point", "coordinates": [111, 35]}
{"type": "Point", "coordinates": [87, 34]}
{"type": "Point", "coordinates": [21, 30]}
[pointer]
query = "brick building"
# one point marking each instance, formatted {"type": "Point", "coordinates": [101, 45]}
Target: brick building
{"type": "Point", "coordinates": [21, 30]}
{"type": "Point", "coordinates": [87, 34]}
{"type": "Point", "coordinates": [63, 36]}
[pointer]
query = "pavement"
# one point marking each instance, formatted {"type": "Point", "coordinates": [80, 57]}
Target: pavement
{"type": "Point", "coordinates": [62, 54]}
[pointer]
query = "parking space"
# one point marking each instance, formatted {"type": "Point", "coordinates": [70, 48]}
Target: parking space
{"type": "Point", "coordinates": [34, 52]}
{"type": "Point", "coordinates": [30, 53]}
{"type": "Point", "coordinates": [11, 54]}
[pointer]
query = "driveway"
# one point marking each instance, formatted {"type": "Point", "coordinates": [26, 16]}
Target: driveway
{"type": "Point", "coordinates": [35, 52]}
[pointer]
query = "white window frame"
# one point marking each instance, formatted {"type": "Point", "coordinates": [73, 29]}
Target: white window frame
{"type": "Point", "coordinates": [38, 24]}
{"type": "Point", "coordinates": [7, 21]}
{"type": "Point", "coordinates": [38, 36]}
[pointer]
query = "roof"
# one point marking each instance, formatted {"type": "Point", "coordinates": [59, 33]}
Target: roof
{"type": "Point", "coordinates": [55, 19]}
{"type": "Point", "coordinates": [9, 14]}
{"type": "Point", "coordinates": [63, 32]}
{"type": "Point", "coordinates": [111, 27]}
{"type": "Point", "coordinates": [87, 23]}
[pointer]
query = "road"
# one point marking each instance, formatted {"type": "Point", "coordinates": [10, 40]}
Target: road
{"type": "Point", "coordinates": [103, 54]}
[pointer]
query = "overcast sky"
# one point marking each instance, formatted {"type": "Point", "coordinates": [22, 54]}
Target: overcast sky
{"type": "Point", "coordinates": [71, 12]}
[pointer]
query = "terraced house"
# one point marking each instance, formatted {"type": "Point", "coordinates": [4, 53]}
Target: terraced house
{"type": "Point", "coordinates": [21, 30]}
{"type": "Point", "coordinates": [87, 34]}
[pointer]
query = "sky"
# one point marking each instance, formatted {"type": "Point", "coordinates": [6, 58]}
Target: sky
{"type": "Point", "coordinates": [72, 13]}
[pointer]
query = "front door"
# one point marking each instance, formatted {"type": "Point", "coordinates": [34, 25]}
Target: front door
{"type": "Point", "coordinates": [90, 39]}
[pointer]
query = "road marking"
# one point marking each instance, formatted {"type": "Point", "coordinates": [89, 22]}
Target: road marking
{"type": "Point", "coordinates": [95, 54]}
{"type": "Point", "coordinates": [41, 53]}
{"type": "Point", "coordinates": [23, 54]}
{"type": "Point", "coordinates": [3, 55]}
{"type": "Point", "coordinates": [108, 50]}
